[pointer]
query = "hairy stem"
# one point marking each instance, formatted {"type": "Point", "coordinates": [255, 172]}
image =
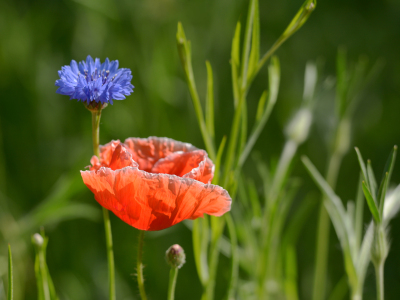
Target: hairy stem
{"type": "Point", "coordinates": [140, 278]}
{"type": "Point", "coordinates": [107, 224]}
{"type": "Point", "coordinates": [173, 275]}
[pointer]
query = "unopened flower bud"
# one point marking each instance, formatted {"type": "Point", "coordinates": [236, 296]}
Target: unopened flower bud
{"type": "Point", "coordinates": [37, 240]}
{"type": "Point", "coordinates": [175, 256]}
{"type": "Point", "coordinates": [299, 126]}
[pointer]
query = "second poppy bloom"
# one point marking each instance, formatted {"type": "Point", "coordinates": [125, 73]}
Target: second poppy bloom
{"type": "Point", "coordinates": [155, 183]}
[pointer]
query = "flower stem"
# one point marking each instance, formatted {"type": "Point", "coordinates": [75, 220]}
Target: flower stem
{"type": "Point", "coordinates": [379, 281]}
{"type": "Point", "coordinates": [173, 275]}
{"type": "Point", "coordinates": [140, 278]}
{"type": "Point", "coordinates": [107, 224]}
{"type": "Point", "coordinates": [323, 233]}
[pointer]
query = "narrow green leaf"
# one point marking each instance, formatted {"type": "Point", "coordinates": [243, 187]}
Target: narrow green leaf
{"type": "Point", "coordinates": [371, 203]}
{"type": "Point", "coordinates": [218, 160]}
{"type": "Point", "coordinates": [261, 106]}
{"type": "Point", "coordinates": [390, 162]}
{"type": "Point", "coordinates": [254, 200]}
{"type": "Point", "coordinates": [274, 76]}
{"type": "Point", "coordinates": [200, 244]}
{"type": "Point", "coordinates": [339, 292]}
{"type": "Point", "coordinates": [362, 166]}
{"type": "Point", "coordinates": [210, 101]}
{"type": "Point", "coordinates": [382, 193]}
{"type": "Point", "coordinates": [333, 203]}
{"type": "Point", "coordinates": [387, 170]}
{"type": "Point", "coordinates": [233, 279]}
{"type": "Point", "coordinates": [291, 289]}
{"type": "Point", "coordinates": [235, 64]}
{"type": "Point", "coordinates": [359, 225]}
{"type": "Point", "coordinates": [364, 256]}
{"type": "Point", "coordinates": [184, 50]}
{"type": "Point", "coordinates": [246, 45]}
{"type": "Point", "coordinates": [255, 42]}
{"type": "Point", "coordinates": [299, 19]}
{"type": "Point", "coordinates": [372, 180]}
{"type": "Point", "coordinates": [10, 293]}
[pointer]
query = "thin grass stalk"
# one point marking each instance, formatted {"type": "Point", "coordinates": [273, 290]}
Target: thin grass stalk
{"type": "Point", "coordinates": [270, 211]}
{"type": "Point", "coordinates": [234, 258]}
{"type": "Point", "coordinates": [321, 259]}
{"type": "Point", "coordinates": [10, 293]}
{"type": "Point", "coordinates": [217, 226]}
{"type": "Point", "coordinates": [96, 115]}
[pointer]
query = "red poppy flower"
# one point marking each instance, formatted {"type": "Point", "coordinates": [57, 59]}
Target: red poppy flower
{"type": "Point", "coordinates": [155, 183]}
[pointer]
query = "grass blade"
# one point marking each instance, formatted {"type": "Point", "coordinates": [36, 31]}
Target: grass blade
{"type": "Point", "coordinates": [10, 292]}
{"type": "Point", "coordinates": [387, 171]}
{"type": "Point", "coordinates": [382, 193]}
{"type": "Point", "coordinates": [359, 214]}
{"type": "Point", "coordinates": [364, 256]}
{"type": "Point", "coordinates": [371, 203]}
{"type": "Point", "coordinates": [261, 106]}
{"type": "Point", "coordinates": [255, 41]}
{"type": "Point", "coordinates": [200, 236]}
{"type": "Point", "coordinates": [185, 55]}
{"type": "Point", "coordinates": [210, 101]}
{"type": "Point", "coordinates": [218, 160]}
{"type": "Point", "coordinates": [274, 80]}
{"type": "Point", "coordinates": [233, 279]}
{"type": "Point", "coordinates": [340, 290]}
{"type": "Point", "coordinates": [299, 19]}
{"type": "Point", "coordinates": [291, 289]}
{"type": "Point", "coordinates": [362, 166]}
{"type": "Point", "coordinates": [246, 45]}
{"type": "Point", "coordinates": [235, 63]}
{"type": "Point", "coordinates": [372, 180]}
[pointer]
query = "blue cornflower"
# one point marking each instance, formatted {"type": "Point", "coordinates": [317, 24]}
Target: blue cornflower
{"type": "Point", "coordinates": [91, 81]}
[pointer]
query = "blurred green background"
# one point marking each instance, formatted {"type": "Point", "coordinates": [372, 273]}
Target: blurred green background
{"type": "Point", "coordinates": [45, 139]}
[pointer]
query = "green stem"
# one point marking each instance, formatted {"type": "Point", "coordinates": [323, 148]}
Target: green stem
{"type": "Point", "coordinates": [10, 275]}
{"type": "Point", "coordinates": [323, 233]}
{"type": "Point", "coordinates": [107, 224]}
{"type": "Point", "coordinates": [217, 226]}
{"type": "Point", "coordinates": [140, 278]}
{"type": "Point", "coordinates": [42, 263]}
{"type": "Point", "coordinates": [379, 281]}
{"type": "Point", "coordinates": [173, 275]}
{"type": "Point", "coordinates": [271, 204]}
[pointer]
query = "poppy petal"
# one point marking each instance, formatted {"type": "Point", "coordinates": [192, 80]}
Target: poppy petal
{"type": "Point", "coordinates": [192, 164]}
{"type": "Point", "coordinates": [154, 201]}
{"type": "Point", "coordinates": [146, 152]}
